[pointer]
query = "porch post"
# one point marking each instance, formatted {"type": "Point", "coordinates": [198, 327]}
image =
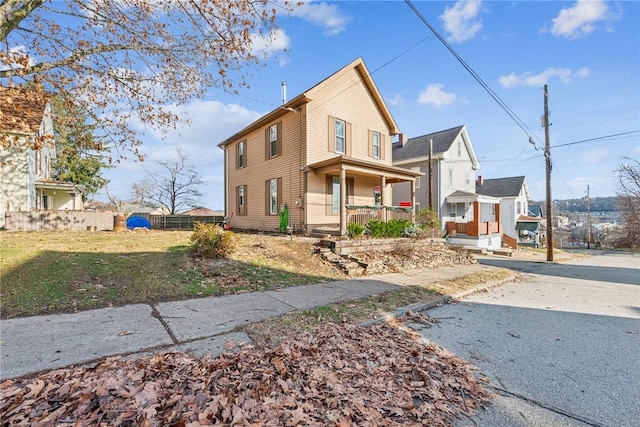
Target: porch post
{"type": "Point", "coordinates": [476, 217]}
{"type": "Point", "coordinates": [413, 201]}
{"type": "Point", "coordinates": [343, 202]}
{"type": "Point", "coordinates": [383, 195]}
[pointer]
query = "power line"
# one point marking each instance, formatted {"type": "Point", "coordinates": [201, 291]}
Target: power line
{"type": "Point", "coordinates": [583, 141]}
{"type": "Point", "coordinates": [475, 75]}
{"type": "Point", "coordinates": [597, 139]}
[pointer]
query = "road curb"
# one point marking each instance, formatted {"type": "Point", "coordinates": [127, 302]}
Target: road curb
{"type": "Point", "coordinates": [445, 299]}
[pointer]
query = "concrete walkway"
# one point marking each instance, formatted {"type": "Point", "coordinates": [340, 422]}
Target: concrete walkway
{"type": "Point", "coordinates": [34, 344]}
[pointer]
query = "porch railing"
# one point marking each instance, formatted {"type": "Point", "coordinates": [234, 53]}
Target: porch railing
{"type": "Point", "coordinates": [472, 228]}
{"type": "Point", "coordinates": [363, 214]}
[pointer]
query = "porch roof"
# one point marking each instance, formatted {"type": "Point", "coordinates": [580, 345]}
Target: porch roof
{"type": "Point", "coordinates": [50, 184]}
{"type": "Point", "coordinates": [465, 197]}
{"type": "Point", "coordinates": [353, 166]}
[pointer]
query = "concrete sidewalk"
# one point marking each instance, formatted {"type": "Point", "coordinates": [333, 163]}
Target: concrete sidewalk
{"type": "Point", "coordinates": [39, 343]}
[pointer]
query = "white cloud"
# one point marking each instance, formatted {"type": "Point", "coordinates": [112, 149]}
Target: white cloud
{"type": "Point", "coordinates": [210, 122]}
{"type": "Point", "coordinates": [565, 75]}
{"type": "Point", "coordinates": [17, 54]}
{"type": "Point", "coordinates": [595, 155]}
{"type": "Point", "coordinates": [322, 14]}
{"type": "Point", "coordinates": [396, 100]}
{"type": "Point", "coordinates": [461, 20]}
{"type": "Point", "coordinates": [269, 44]}
{"type": "Point", "coordinates": [580, 19]}
{"type": "Point", "coordinates": [435, 95]}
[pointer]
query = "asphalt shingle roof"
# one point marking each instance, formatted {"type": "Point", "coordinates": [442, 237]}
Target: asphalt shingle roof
{"type": "Point", "coordinates": [501, 187]}
{"type": "Point", "coordinates": [419, 146]}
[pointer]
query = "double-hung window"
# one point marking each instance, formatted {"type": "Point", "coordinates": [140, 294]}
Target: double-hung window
{"type": "Point", "coordinates": [273, 140]}
{"type": "Point", "coordinates": [340, 136]}
{"type": "Point", "coordinates": [241, 157]}
{"type": "Point", "coordinates": [375, 145]}
{"type": "Point", "coordinates": [241, 200]}
{"type": "Point", "coordinates": [273, 188]}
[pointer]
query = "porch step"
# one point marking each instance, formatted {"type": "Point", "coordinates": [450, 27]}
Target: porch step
{"type": "Point", "coordinates": [475, 250]}
{"type": "Point", "coordinates": [504, 252]}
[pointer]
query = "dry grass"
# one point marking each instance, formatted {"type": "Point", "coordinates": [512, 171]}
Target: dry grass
{"type": "Point", "coordinates": [275, 330]}
{"type": "Point", "coordinates": [58, 272]}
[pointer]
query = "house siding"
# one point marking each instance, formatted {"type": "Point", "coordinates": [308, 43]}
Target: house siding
{"type": "Point", "coordinates": [258, 169]}
{"type": "Point", "coordinates": [307, 139]}
{"type": "Point", "coordinates": [345, 97]}
{"type": "Point", "coordinates": [461, 168]}
{"type": "Point", "coordinates": [355, 105]}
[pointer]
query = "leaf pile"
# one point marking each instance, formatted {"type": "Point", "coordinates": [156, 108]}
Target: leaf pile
{"type": "Point", "coordinates": [339, 375]}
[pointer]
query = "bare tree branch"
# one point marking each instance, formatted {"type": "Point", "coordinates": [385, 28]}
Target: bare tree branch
{"type": "Point", "coordinates": [131, 62]}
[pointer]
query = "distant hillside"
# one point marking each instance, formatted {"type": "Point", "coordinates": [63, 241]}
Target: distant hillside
{"type": "Point", "coordinates": [598, 204]}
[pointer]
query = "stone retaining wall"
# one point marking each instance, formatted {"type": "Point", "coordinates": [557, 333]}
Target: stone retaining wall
{"type": "Point", "coordinates": [355, 246]}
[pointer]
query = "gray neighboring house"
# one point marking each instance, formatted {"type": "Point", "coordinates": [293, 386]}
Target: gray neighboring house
{"type": "Point", "coordinates": [514, 195]}
{"type": "Point", "coordinates": [453, 166]}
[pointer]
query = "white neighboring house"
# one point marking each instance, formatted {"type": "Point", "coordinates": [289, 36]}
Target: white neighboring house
{"type": "Point", "coordinates": [514, 195]}
{"type": "Point", "coordinates": [27, 150]}
{"type": "Point", "coordinates": [453, 166]}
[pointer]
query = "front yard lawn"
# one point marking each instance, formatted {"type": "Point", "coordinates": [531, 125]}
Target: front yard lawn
{"type": "Point", "coordinates": [62, 272]}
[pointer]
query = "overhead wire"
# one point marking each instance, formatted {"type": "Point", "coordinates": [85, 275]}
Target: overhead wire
{"type": "Point", "coordinates": [475, 75]}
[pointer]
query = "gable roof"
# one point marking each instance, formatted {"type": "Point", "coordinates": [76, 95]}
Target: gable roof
{"type": "Point", "coordinates": [501, 187]}
{"type": "Point", "coordinates": [361, 68]}
{"type": "Point", "coordinates": [305, 97]}
{"type": "Point", "coordinates": [536, 210]}
{"type": "Point", "coordinates": [418, 147]}
{"type": "Point", "coordinates": [21, 110]}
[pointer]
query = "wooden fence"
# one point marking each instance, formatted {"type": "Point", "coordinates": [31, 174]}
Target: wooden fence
{"type": "Point", "coordinates": [180, 222]}
{"type": "Point", "coordinates": [50, 220]}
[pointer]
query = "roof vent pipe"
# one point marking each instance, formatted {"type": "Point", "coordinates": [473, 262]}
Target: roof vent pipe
{"type": "Point", "coordinates": [284, 93]}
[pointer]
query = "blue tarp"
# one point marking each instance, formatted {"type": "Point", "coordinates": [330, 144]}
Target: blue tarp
{"type": "Point", "coordinates": [138, 222]}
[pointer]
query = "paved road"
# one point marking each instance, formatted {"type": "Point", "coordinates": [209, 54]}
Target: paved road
{"type": "Point", "coordinates": [561, 347]}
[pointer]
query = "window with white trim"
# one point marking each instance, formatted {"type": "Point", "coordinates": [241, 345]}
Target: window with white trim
{"type": "Point", "coordinates": [340, 136]}
{"type": "Point", "coordinates": [375, 144]}
{"type": "Point", "coordinates": [273, 196]}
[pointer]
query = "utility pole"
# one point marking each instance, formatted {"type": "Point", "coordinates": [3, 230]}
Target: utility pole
{"type": "Point", "coordinates": [430, 175]}
{"type": "Point", "coordinates": [547, 157]}
{"type": "Point", "coordinates": [588, 220]}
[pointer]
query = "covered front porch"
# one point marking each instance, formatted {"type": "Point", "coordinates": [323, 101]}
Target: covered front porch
{"type": "Point", "coordinates": [478, 224]}
{"type": "Point", "coordinates": [345, 172]}
{"type": "Point", "coordinates": [57, 195]}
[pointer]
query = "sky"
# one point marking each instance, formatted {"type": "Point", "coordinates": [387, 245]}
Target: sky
{"type": "Point", "coordinates": [586, 51]}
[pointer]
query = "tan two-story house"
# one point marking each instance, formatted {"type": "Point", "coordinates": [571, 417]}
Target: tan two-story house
{"type": "Point", "coordinates": [318, 158]}
{"type": "Point", "coordinates": [27, 150]}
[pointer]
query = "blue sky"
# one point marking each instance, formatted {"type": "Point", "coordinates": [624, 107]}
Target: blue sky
{"type": "Point", "coordinates": [587, 52]}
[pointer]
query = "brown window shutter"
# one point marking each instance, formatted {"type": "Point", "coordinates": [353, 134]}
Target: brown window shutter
{"type": "Point", "coordinates": [238, 200]}
{"type": "Point", "coordinates": [347, 137]}
{"type": "Point", "coordinates": [279, 184]}
{"type": "Point", "coordinates": [246, 200]}
{"type": "Point", "coordinates": [266, 144]}
{"type": "Point", "coordinates": [370, 143]}
{"type": "Point", "coordinates": [266, 197]}
{"type": "Point", "coordinates": [332, 134]}
{"type": "Point", "coordinates": [279, 142]}
{"type": "Point", "coordinates": [382, 146]}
